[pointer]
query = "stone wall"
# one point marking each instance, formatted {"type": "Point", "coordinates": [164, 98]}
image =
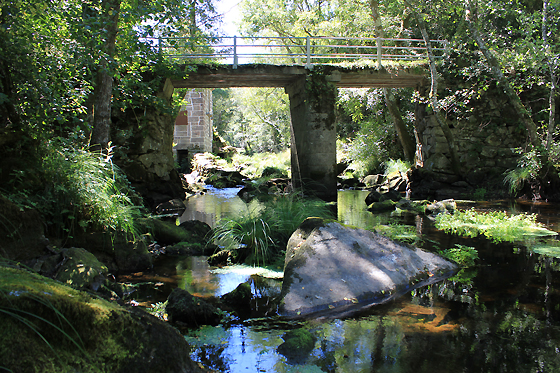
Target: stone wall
{"type": "Point", "coordinates": [486, 139]}
{"type": "Point", "coordinates": [193, 126]}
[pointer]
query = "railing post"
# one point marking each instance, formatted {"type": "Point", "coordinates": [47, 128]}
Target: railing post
{"type": "Point", "coordinates": [159, 46]}
{"type": "Point", "coordinates": [235, 60]}
{"type": "Point", "coordinates": [308, 52]}
{"type": "Point", "coordinates": [379, 52]}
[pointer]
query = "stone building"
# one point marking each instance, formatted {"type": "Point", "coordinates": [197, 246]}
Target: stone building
{"type": "Point", "coordinates": [193, 126]}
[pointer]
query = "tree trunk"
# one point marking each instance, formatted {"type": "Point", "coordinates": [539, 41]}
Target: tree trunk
{"type": "Point", "coordinates": [455, 164]}
{"type": "Point", "coordinates": [406, 140]}
{"type": "Point", "coordinates": [551, 67]}
{"type": "Point", "coordinates": [104, 81]}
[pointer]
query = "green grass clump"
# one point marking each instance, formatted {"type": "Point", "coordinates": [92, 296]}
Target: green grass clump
{"type": "Point", "coordinates": [258, 236]}
{"type": "Point", "coordinates": [495, 225]}
{"type": "Point", "coordinates": [465, 256]}
{"type": "Point", "coordinates": [86, 190]}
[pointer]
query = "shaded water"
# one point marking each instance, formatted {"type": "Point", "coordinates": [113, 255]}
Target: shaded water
{"type": "Point", "coordinates": [501, 316]}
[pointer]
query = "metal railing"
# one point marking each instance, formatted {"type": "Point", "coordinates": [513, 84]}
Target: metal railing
{"type": "Point", "coordinates": [305, 51]}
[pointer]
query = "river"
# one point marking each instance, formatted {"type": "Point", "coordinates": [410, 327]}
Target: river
{"type": "Point", "coordinates": [503, 315]}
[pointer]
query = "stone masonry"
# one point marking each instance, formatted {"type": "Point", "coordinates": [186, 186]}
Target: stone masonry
{"type": "Point", "coordinates": [193, 126]}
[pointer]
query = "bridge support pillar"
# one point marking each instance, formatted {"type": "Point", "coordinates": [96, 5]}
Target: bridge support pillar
{"type": "Point", "coordinates": [313, 143]}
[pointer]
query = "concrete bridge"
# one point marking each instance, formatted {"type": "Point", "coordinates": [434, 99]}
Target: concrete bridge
{"type": "Point", "coordinates": [311, 87]}
{"type": "Point", "coordinates": [312, 95]}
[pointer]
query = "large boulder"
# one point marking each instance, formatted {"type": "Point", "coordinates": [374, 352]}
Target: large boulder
{"type": "Point", "coordinates": [50, 327]}
{"type": "Point", "coordinates": [334, 270]}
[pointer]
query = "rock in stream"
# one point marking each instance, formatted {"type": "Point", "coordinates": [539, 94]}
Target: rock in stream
{"type": "Point", "coordinates": [333, 270]}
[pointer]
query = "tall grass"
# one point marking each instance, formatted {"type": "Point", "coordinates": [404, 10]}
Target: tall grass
{"type": "Point", "coordinates": [260, 235]}
{"type": "Point", "coordinates": [86, 190]}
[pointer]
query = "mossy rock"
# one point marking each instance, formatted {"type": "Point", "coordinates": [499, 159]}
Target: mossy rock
{"type": "Point", "coordinates": [187, 310]}
{"type": "Point", "coordinates": [386, 205]}
{"type": "Point", "coordinates": [82, 333]}
{"type": "Point", "coordinates": [81, 270]}
{"type": "Point", "coordinates": [297, 345]}
{"type": "Point", "coordinates": [240, 297]}
{"type": "Point", "coordinates": [166, 232]}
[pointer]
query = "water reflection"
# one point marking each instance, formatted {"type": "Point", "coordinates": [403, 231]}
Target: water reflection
{"type": "Point", "coordinates": [501, 316]}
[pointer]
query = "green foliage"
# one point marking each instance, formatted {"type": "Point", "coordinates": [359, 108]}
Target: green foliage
{"type": "Point", "coordinates": [479, 194]}
{"type": "Point", "coordinates": [393, 166]}
{"type": "Point", "coordinates": [258, 235]}
{"type": "Point", "coordinates": [256, 119]}
{"type": "Point", "coordinates": [366, 128]}
{"type": "Point", "coordinates": [254, 165]}
{"type": "Point", "coordinates": [465, 256]}
{"type": "Point", "coordinates": [85, 190]}
{"type": "Point", "coordinates": [398, 232]}
{"type": "Point", "coordinates": [527, 170]}
{"type": "Point", "coordinates": [495, 225]}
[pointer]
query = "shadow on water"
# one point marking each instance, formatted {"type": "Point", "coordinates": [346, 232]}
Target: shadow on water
{"type": "Point", "coordinates": [503, 315]}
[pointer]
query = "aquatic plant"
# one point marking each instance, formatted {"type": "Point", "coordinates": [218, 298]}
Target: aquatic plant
{"type": "Point", "coordinates": [463, 255]}
{"type": "Point", "coordinates": [259, 235]}
{"type": "Point", "coordinates": [495, 225]}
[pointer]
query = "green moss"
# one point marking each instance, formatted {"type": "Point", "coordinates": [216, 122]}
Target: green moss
{"type": "Point", "coordinates": [50, 327]}
{"type": "Point", "coordinates": [298, 343]}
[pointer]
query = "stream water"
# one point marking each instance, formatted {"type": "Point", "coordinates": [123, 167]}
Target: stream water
{"type": "Point", "coordinates": [503, 315]}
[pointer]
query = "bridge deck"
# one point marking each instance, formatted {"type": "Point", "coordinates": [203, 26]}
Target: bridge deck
{"type": "Point", "coordinates": [205, 76]}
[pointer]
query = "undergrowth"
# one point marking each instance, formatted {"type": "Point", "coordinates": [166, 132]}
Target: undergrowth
{"type": "Point", "coordinates": [497, 226]}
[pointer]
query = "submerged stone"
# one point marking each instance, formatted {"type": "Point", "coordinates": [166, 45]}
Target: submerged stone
{"type": "Point", "coordinates": [331, 269]}
{"type": "Point", "coordinates": [297, 345]}
{"type": "Point", "coordinates": [190, 311]}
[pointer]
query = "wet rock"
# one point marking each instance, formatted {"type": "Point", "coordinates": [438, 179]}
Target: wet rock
{"type": "Point", "coordinates": [174, 206]}
{"type": "Point", "coordinates": [221, 258]}
{"type": "Point", "coordinates": [199, 230]}
{"type": "Point", "coordinates": [350, 183]}
{"type": "Point", "coordinates": [167, 232]}
{"type": "Point", "coordinates": [413, 206]}
{"type": "Point", "coordinates": [240, 298]}
{"type": "Point", "coordinates": [116, 339]}
{"type": "Point", "coordinates": [447, 205]}
{"type": "Point", "coordinates": [372, 181]}
{"type": "Point", "coordinates": [133, 256]}
{"type": "Point", "coordinates": [81, 270]}
{"type": "Point", "coordinates": [185, 309]}
{"type": "Point", "coordinates": [331, 269]}
{"type": "Point", "coordinates": [387, 205]}
{"type": "Point", "coordinates": [297, 345]}
{"type": "Point", "coordinates": [372, 197]}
